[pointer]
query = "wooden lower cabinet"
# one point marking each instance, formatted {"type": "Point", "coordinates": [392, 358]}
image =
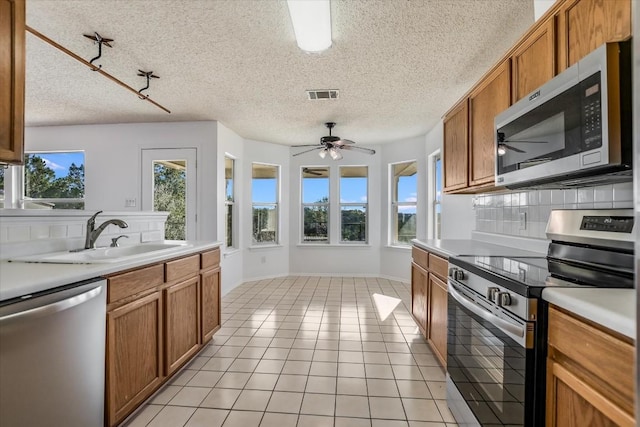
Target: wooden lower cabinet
{"type": "Point", "coordinates": [210, 303]}
{"type": "Point", "coordinates": [158, 317]}
{"type": "Point", "coordinates": [429, 299]}
{"type": "Point", "coordinates": [182, 323]}
{"type": "Point", "coordinates": [437, 330]}
{"type": "Point", "coordinates": [419, 284]}
{"type": "Point", "coordinates": [134, 355]}
{"type": "Point", "coordinates": [589, 374]}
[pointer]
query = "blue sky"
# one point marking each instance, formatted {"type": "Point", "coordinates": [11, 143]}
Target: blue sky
{"type": "Point", "coordinates": [353, 190]}
{"type": "Point", "coordinates": [60, 162]}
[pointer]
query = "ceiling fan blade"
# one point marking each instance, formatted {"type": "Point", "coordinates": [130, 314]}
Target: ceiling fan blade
{"type": "Point", "coordinates": [517, 150]}
{"type": "Point", "coordinates": [311, 171]}
{"type": "Point", "coordinates": [307, 145]}
{"type": "Point", "coordinates": [307, 151]}
{"type": "Point", "coordinates": [363, 149]}
{"type": "Point", "coordinates": [344, 141]}
{"type": "Point", "coordinates": [525, 142]}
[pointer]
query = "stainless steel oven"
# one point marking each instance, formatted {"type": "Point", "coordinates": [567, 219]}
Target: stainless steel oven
{"type": "Point", "coordinates": [574, 129]}
{"type": "Point", "coordinates": [496, 339]}
{"type": "Point", "coordinates": [494, 351]}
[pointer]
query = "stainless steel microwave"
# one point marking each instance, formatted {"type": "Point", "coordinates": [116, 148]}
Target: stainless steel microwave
{"type": "Point", "coordinates": [574, 130]}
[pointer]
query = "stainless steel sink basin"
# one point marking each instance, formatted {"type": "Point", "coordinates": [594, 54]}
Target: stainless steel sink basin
{"type": "Point", "coordinates": [104, 255]}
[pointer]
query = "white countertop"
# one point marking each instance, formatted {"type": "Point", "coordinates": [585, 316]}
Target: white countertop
{"type": "Point", "coordinates": [458, 247]}
{"type": "Point", "coordinates": [612, 308]}
{"type": "Point", "coordinates": [20, 278]}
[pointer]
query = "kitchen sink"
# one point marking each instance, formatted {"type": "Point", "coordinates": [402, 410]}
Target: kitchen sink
{"type": "Point", "coordinates": [104, 255]}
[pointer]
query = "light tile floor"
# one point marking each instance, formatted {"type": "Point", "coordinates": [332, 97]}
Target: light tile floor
{"type": "Point", "coordinates": [309, 351]}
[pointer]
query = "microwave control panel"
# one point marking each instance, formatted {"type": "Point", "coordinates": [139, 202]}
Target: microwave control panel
{"type": "Point", "coordinates": [591, 112]}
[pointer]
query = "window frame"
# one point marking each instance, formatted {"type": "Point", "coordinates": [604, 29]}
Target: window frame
{"type": "Point", "coordinates": [230, 204]}
{"type": "Point", "coordinates": [15, 187]}
{"type": "Point", "coordinates": [353, 204]}
{"type": "Point", "coordinates": [395, 205]}
{"type": "Point", "coordinates": [276, 205]}
{"type": "Point", "coordinates": [305, 205]}
{"type": "Point", "coordinates": [432, 231]}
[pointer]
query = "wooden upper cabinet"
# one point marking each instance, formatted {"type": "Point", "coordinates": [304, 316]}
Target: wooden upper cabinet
{"type": "Point", "coordinates": [12, 74]}
{"type": "Point", "coordinates": [455, 150]}
{"type": "Point", "coordinates": [584, 25]}
{"type": "Point", "coordinates": [533, 62]}
{"type": "Point", "coordinates": [489, 98]}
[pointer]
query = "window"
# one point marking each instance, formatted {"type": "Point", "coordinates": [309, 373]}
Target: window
{"type": "Point", "coordinates": [437, 196]}
{"type": "Point", "coordinates": [315, 204]}
{"type": "Point", "coordinates": [264, 198]}
{"type": "Point", "coordinates": [229, 166]}
{"type": "Point", "coordinates": [54, 180]}
{"type": "Point", "coordinates": [353, 204]}
{"type": "Point", "coordinates": [403, 202]}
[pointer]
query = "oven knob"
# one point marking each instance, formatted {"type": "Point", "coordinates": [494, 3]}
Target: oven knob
{"type": "Point", "coordinates": [503, 299]}
{"type": "Point", "coordinates": [491, 293]}
{"type": "Point", "coordinates": [459, 275]}
{"type": "Point", "coordinates": [452, 272]}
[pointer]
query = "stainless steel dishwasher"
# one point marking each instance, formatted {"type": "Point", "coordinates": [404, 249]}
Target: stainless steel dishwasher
{"type": "Point", "coordinates": [52, 357]}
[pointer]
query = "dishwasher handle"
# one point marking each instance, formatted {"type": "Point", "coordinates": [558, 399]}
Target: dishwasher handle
{"type": "Point", "coordinates": [55, 307]}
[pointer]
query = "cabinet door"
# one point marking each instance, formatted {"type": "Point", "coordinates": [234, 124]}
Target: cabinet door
{"type": "Point", "coordinates": [573, 403]}
{"type": "Point", "coordinates": [533, 61]}
{"type": "Point", "coordinates": [134, 355]}
{"type": "Point", "coordinates": [182, 323]}
{"type": "Point", "coordinates": [419, 278]}
{"type": "Point", "coordinates": [437, 330]}
{"type": "Point", "coordinates": [455, 148]}
{"type": "Point", "coordinates": [210, 284]}
{"type": "Point", "coordinates": [586, 24]}
{"type": "Point", "coordinates": [12, 60]}
{"type": "Point", "coordinates": [491, 97]}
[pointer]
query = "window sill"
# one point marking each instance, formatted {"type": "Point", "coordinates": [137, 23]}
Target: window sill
{"type": "Point", "coordinates": [333, 245]}
{"type": "Point", "coordinates": [231, 252]}
{"type": "Point", "coordinates": [264, 247]}
{"type": "Point", "coordinates": [399, 247]}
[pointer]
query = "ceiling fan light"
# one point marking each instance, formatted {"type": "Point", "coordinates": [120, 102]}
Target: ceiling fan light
{"type": "Point", "coordinates": [335, 154]}
{"type": "Point", "coordinates": [323, 153]}
{"type": "Point", "coordinates": [311, 24]}
{"type": "Point", "coordinates": [501, 150]}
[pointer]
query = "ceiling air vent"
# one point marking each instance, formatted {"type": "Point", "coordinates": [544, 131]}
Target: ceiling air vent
{"type": "Point", "coordinates": [318, 94]}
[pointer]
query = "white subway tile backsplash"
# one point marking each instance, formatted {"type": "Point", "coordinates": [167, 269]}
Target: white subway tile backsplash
{"type": "Point", "coordinates": [39, 231]}
{"type": "Point", "coordinates": [19, 233]}
{"type": "Point", "coordinates": [75, 230]}
{"type": "Point", "coordinates": [585, 195]}
{"type": "Point", "coordinates": [603, 193]}
{"type": "Point", "coordinates": [623, 192]}
{"type": "Point", "coordinates": [58, 231]}
{"type": "Point", "coordinates": [498, 213]}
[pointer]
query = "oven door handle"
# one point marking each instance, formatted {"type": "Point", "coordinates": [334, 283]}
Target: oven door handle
{"type": "Point", "coordinates": [502, 324]}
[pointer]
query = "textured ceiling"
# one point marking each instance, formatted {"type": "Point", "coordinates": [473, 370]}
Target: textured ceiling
{"type": "Point", "coordinates": [399, 64]}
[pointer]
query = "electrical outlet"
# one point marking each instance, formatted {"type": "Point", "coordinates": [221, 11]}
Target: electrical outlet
{"type": "Point", "coordinates": [130, 203]}
{"type": "Point", "coordinates": [522, 220]}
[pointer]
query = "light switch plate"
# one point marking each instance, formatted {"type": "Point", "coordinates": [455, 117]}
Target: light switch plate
{"type": "Point", "coordinates": [130, 203]}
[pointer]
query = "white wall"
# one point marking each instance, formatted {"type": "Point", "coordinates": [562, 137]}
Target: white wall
{"type": "Point", "coordinates": [266, 260]}
{"type": "Point", "coordinates": [113, 160]}
{"type": "Point", "coordinates": [336, 258]}
{"type": "Point", "coordinates": [231, 262]}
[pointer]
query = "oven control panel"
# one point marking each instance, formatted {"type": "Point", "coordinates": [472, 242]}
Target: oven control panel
{"type": "Point", "coordinates": [616, 224]}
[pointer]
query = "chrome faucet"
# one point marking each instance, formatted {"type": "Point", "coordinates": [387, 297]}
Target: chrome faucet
{"type": "Point", "coordinates": [93, 233]}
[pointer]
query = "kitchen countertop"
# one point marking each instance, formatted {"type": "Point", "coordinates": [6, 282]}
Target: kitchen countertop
{"type": "Point", "coordinates": [22, 278]}
{"type": "Point", "coordinates": [458, 247]}
{"type": "Point", "coordinates": [612, 308]}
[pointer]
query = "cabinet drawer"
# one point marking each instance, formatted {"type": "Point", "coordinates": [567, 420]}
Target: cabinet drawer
{"type": "Point", "coordinates": [210, 259]}
{"type": "Point", "coordinates": [607, 359]}
{"type": "Point", "coordinates": [438, 266]}
{"type": "Point", "coordinates": [127, 284]}
{"type": "Point", "coordinates": [420, 257]}
{"type": "Point", "coordinates": [182, 267]}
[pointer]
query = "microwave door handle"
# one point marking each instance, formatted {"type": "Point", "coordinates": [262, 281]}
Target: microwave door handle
{"type": "Point", "coordinates": [501, 324]}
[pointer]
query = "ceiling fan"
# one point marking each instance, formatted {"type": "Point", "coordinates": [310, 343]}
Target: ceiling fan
{"type": "Point", "coordinates": [332, 145]}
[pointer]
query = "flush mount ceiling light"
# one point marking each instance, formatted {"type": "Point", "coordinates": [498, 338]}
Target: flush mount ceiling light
{"type": "Point", "coordinates": [311, 23]}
